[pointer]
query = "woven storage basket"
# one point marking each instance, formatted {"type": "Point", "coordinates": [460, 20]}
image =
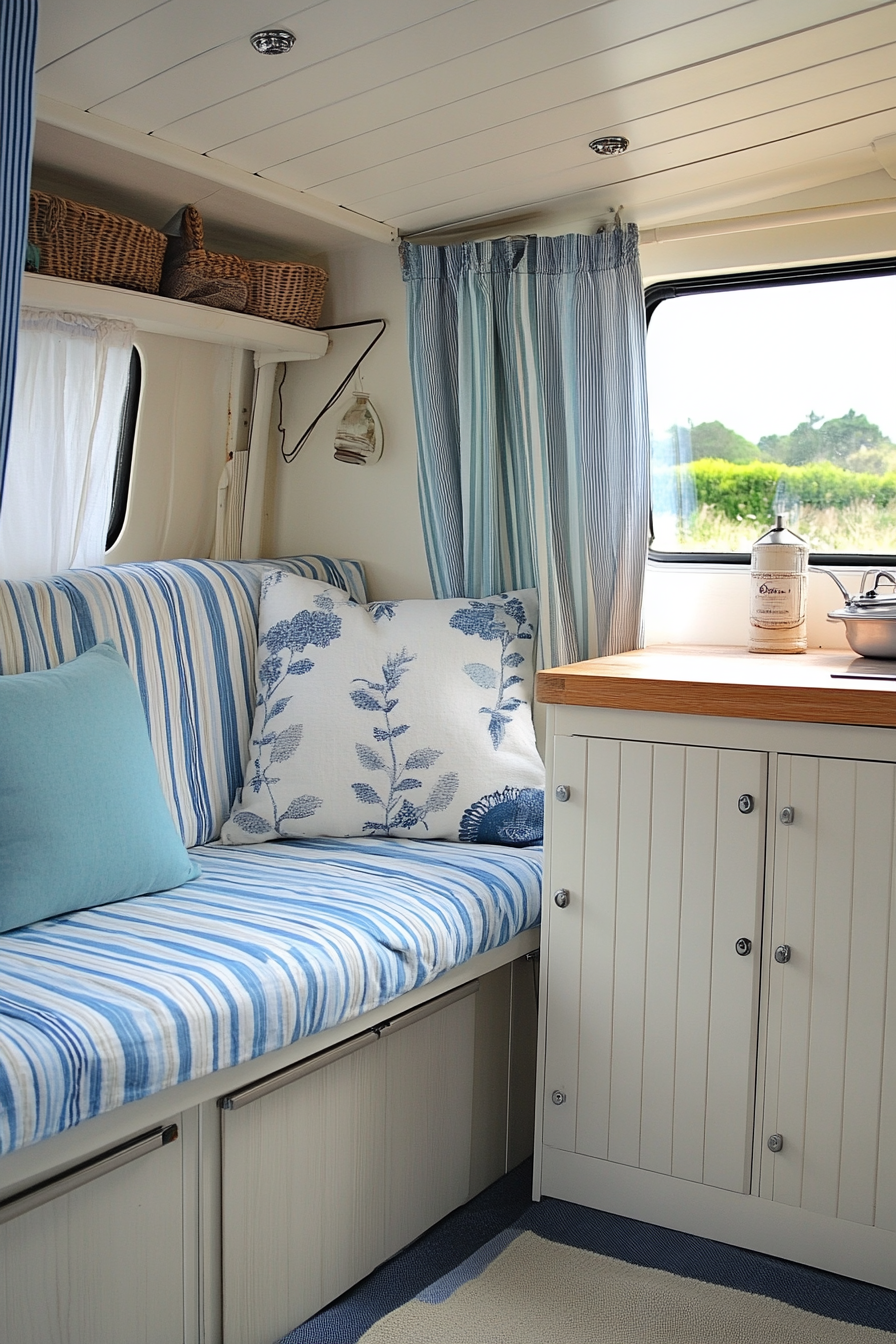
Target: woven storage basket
{"type": "Point", "coordinates": [192, 273]}
{"type": "Point", "coordinates": [286, 291]}
{"type": "Point", "coordinates": [82, 242]}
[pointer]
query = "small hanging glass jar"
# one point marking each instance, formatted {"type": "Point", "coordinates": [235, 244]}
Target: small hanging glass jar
{"type": "Point", "coordinates": [778, 576]}
{"type": "Point", "coordinates": [359, 435]}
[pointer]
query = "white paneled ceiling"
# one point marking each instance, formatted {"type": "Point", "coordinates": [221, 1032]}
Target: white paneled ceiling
{"type": "Point", "coordinates": [429, 113]}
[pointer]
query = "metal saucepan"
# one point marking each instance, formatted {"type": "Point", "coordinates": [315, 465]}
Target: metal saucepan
{"type": "Point", "coordinates": [869, 617]}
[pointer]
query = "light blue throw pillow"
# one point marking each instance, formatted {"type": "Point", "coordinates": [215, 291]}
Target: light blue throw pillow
{"type": "Point", "coordinates": [82, 817]}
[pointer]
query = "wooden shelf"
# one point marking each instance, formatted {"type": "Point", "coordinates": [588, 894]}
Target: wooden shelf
{"type": "Point", "coordinates": [726, 682]}
{"type": "Point", "coordinates": [174, 317]}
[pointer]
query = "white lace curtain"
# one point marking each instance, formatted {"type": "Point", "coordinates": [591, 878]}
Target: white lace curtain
{"type": "Point", "coordinates": [71, 378]}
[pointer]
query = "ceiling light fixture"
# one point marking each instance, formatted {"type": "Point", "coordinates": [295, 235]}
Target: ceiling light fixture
{"type": "Point", "coordinates": [273, 41]}
{"type": "Point", "coordinates": [609, 144]}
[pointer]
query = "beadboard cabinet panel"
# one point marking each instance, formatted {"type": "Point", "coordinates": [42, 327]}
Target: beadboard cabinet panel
{"type": "Point", "coordinates": [831, 1060]}
{"type": "Point", "coordinates": [673, 874]}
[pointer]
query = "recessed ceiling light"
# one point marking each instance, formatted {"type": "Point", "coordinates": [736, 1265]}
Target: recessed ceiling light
{"type": "Point", "coordinates": [273, 41]}
{"type": "Point", "coordinates": [609, 144]}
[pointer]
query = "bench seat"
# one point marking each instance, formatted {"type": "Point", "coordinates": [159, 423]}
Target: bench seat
{"type": "Point", "coordinates": [272, 943]}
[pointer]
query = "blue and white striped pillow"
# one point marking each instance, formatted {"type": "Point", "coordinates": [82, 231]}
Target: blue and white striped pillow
{"type": "Point", "coordinates": [188, 630]}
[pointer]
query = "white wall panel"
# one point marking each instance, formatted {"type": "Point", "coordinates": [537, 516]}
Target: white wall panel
{"type": "Point", "coordinates": [494, 47]}
{"type": "Point", "coordinates": [166, 37]}
{"type": "Point", "coordinates": [433, 112]}
{"type": "Point", "coordinates": [321, 505]}
{"type": "Point", "coordinates": [323, 103]}
{"type": "Point", "coordinates": [593, 91]}
{"type": "Point", "coordinates": [685, 165]}
{"type": "Point", "coordinates": [65, 27]}
{"type": "Point", "coordinates": [339, 46]}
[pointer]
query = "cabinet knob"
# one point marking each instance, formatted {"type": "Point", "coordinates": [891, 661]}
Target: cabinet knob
{"type": "Point", "coordinates": [775, 1142]}
{"type": "Point", "coordinates": [562, 793]}
{"type": "Point", "coordinates": [745, 802]}
{"type": "Point", "coordinates": [558, 1097]}
{"type": "Point", "coordinates": [785, 816]}
{"type": "Point", "coordinates": [782, 953]}
{"type": "Point", "coordinates": [743, 947]}
{"type": "Point", "coordinates": [561, 898]}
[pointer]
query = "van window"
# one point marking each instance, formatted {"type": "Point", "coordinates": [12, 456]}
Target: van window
{"type": "Point", "coordinates": [124, 456]}
{"type": "Point", "coordinates": [774, 393]}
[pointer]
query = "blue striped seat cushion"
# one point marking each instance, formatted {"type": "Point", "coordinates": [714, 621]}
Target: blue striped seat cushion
{"type": "Point", "coordinates": [272, 943]}
{"type": "Point", "coordinates": [188, 630]}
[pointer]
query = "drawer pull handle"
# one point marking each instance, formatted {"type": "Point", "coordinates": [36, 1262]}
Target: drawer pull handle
{"type": "Point", "coordinates": [745, 803]}
{"type": "Point", "coordinates": [84, 1172]}
{"type": "Point", "coordinates": [743, 947]}
{"type": "Point", "coordinates": [562, 793]}
{"type": "Point", "coordinates": [785, 816]}
{"type": "Point", "coordinates": [782, 954]}
{"type": "Point", "coordinates": [561, 898]}
{"type": "Point", "coordinates": [775, 1142]}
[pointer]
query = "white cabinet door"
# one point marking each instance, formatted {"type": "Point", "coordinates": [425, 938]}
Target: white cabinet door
{"type": "Point", "coordinates": [652, 1013]}
{"type": "Point", "coordinates": [97, 1254]}
{"type": "Point", "coordinates": [831, 1060]}
{"type": "Point", "coordinates": [327, 1175]}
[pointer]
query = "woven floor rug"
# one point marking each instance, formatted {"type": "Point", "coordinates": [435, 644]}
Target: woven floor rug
{"type": "Point", "coordinates": [503, 1270]}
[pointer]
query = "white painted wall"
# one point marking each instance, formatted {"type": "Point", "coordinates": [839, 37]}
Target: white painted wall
{"type": "Point", "coordinates": [320, 505]}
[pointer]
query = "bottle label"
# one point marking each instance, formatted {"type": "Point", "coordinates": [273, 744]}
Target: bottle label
{"type": "Point", "coordinates": [777, 601]}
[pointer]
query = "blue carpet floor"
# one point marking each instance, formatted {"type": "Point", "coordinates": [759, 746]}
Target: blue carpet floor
{"type": "Point", "coordinates": [508, 1203]}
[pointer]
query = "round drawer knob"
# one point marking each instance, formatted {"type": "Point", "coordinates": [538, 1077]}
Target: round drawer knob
{"type": "Point", "coordinates": [745, 802]}
{"type": "Point", "coordinates": [782, 953]}
{"type": "Point", "coordinates": [561, 898]}
{"type": "Point", "coordinates": [785, 816]}
{"type": "Point", "coordinates": [775, 1142]}
{"type": "Point", "coordinates": [558, 1097]}
{"type": "Point", "coordinates": [743, 947]}
{"type": "Point", "coordinates": [562, 793]}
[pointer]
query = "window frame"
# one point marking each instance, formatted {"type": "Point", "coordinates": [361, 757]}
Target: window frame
{"type": "Point", "coordinates": [655, 294]}
{"type": "Point", "coordinates": [124, 453]}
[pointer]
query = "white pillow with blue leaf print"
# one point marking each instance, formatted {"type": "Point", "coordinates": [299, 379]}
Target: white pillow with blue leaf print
{"type": "Point", "coordinates": [408, 719]}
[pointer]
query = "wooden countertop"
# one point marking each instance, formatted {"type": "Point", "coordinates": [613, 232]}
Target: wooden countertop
{"type": "Point", "coordinates": [729, 682]}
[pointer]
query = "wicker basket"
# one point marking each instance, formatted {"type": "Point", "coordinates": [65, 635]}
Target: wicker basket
{"type": "Point", "coordinates": [286, 291]}
{"type": "Point", "coordinates": [82, 242]}
{"type": "Point", "coordinates": [190, 272]}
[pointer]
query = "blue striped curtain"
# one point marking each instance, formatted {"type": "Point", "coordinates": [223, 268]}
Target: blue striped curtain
{"type": "Point", "coordinates": [528, 370]}
{"type": "Point", "coordinates": [18, 42]}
